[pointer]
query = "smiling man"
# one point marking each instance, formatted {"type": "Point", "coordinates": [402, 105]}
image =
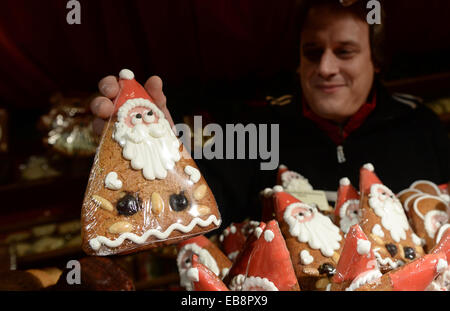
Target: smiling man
{"type": "Point", "coordinates": [340, 117]}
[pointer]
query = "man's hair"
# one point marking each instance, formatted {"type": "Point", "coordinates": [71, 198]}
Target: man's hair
{"type": "Point", "coordinates": [358, 9]}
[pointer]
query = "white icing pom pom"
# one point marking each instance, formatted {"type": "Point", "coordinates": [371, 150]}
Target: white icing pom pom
{"type": "Point", "coordinates": [369, 167]}
{"type": "Point", "coordinates": [258, 232]}
{"type": "Point", "coordinates": [278, 188]}
{"type": "Point", "coordinates": [344, 181]}
{"type": "Point", "coordinates": [126, 74]}
{"type": "Point", "coordinates": [441, 266]}
{"type": "Point", "coordinates": [282, 166]}
{"type": "Point", "coordinates": [363, 246]}
{"type": "Point", "coordinates": [268, 235]}
{"type": "Point", "coordinates": [192, 274]}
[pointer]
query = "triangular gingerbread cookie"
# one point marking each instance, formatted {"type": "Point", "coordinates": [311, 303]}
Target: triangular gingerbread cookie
{"type": "Point", "coordinates": [314, 242]}
{"type": "Point", "coordinates": [384, 222]}
{"type": "Point", "coordinates": [144, 189]}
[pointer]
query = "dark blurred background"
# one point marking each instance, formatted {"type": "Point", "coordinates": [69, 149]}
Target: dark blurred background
{"type": "Point", "coordinates": [208, 53]}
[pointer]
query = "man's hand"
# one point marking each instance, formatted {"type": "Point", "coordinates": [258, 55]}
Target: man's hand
{"type": "Point", "coordinates": [102, 106]}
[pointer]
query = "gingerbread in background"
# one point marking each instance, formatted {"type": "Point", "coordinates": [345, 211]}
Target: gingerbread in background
{"type": "Point", "coordinates": [385, 223]}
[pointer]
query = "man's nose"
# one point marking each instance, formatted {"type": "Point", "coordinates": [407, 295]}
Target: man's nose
{"type": "Point", "coordinates": [328, 65]}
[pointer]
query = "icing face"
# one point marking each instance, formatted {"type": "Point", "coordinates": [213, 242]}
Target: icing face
{"type": "Point", "coordinates": [310, 226]}
{"type": "Point", "coordinates": [350, 214]}
{"type": "Point", "coordinates": [433, 220]}
{"type": "Point", "coordinates": [146, 138]}
{"type": "Point", "coordinates": [184, 263]}
{"type": "Point", "coordinates": [388, 207]}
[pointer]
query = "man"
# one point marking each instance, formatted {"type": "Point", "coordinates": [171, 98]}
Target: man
{"type": "Point", "coordinates": [341, 117]}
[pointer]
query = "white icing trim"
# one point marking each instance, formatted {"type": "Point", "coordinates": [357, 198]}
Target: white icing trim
{"type": "Point", "coordinates": [225, 272]}
{"type": "Point", "coordinates": [441, 266]}
{"type": "Point", "coordinates": [378, 231]}
{"type": "Point", "coordinates": [192, 274]}
{"type": "Point", "coordinates": [278, 188]}
{"type": "Point", "coordinates": [112, 181]}
{"type": "Point", "coordinates": [429, 218]}
{"type": "Point", "coordinates": [344, 181]}
{"type": "Point", "coordinates": [441, 232]}
{"type": "Point", "coordinates": [432, 184]}
{"type": "Point", "coordinates": [387, 261]}
{"type": "Point", "coordinates": [363, 246]}
{"type": "Point", "coordinates": [425, 196]}
{"type": "Point", "coordinates": [193, 173]}
{"type": "Point", "coordinates": [237, 282]}
{"type": "Point", "coordinates": [417, 240]}
{"type": "Point", "coordinates": [369, 167]}
{"type": "Point", "coordinates": [203, 254]}
{"type": "Point", "coordinates": [232, 229]}
{"type": "Point", "coordinates": [306, 257]}
{"type": "Point", "coordinates": [258, 282]}
{"type": "Point", "coordinates": [411, 197]}
{"type": "Point", "coordinates": [97, 242]}
{"type": "Point", "coordinates": [398, 195]}
{"type": "Point", "coordinates": [258, 232]}
{"type": "Point", "coordinates": [126, 74]}
{"type": "Point", "coordinates": [364, 278]}
{"type": "Point", "coordinates": [268, 235]}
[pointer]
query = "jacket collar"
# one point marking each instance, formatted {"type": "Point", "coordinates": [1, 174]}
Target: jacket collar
{"type": "Point", "coordinates": [336, 132]}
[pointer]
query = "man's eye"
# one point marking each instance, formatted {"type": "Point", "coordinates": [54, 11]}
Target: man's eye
{"type": "Point", "coordinates": [344, 53]}
{"type": "Point", "coordinates": [313, 55]}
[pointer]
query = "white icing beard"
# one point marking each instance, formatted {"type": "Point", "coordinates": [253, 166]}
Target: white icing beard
{"type": "Point", "coordinates": [347, 216]}
{"type": "Point", "coordinates": [441, 283]}
{"type": "Point", "coordinates": [153, 148]}
{"type": "Point", "coordinates": [183, 262]}
{"type": "Point", "coordinates": [388, 207]}
{"type": "Point", "coordinates": [318, 230]}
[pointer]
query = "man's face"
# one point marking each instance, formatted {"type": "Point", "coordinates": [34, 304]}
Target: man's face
{"type": "Point", "coordinates": [336, 68]}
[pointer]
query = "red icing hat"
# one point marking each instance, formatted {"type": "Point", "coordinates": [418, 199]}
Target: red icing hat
{"type": "Point", "coordinates": [281, 201]}
{"type": "Point", "coordinates": [270, 259]}
{"type": "Point", "coordinates": [129, 89]}
{"type": "Point", "coordinates": [281, 169]}
{"type": "Point", "coordinates": [200, 240]}
{"type": "Point", "coordinates": [356, 257]}
{"type": "Point", "coordinates": [242, 260]}
{"type": "Point", "coordinates": [367, 178]}
{"type": "Point", "coordinates": [443, 244]}
{"type": "Point", "coordinates": [345, 192]}
{"type": "Point", "coordinates": [235, 235]}
{"type": "Point", "coordinates": [204, 279]}
{"type": "Point", "coordinates": [418, 274]}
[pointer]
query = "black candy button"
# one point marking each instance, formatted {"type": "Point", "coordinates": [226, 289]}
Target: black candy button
{"type": "Point", "coordinates": [327, 269]}
{"type": "Point", "coordinates": [128, 205]}
{"type": "Point", "coordinates": [178, 202]}
{"type": "Point", "coordinates": [392, 249]}
{"type": "Point", "coordinates": [409, 252]}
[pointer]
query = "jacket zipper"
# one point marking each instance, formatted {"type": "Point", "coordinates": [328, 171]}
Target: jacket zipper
{"type": "Point", "coordinates": [340, 148]}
